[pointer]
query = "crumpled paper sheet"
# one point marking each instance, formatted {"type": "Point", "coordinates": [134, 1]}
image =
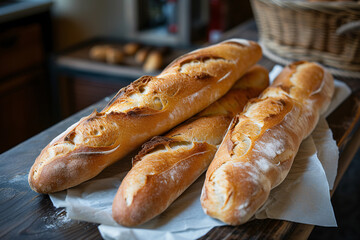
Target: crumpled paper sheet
{"type": "Point", "coordinates": [303, 196]}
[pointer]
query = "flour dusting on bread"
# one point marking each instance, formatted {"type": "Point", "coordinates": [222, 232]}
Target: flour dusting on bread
{"type": "Point", "coordinates": [259, 147]}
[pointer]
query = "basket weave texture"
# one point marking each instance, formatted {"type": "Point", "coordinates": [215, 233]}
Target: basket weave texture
{"type": "Point", "coordinates": [326, 32]}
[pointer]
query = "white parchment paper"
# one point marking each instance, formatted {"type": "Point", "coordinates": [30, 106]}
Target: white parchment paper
{"type": "Point", "coordinates": [303, 196]}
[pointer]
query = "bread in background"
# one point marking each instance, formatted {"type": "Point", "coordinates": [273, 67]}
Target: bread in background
{"type": "Point", "coordinates": [114, 56]}
{"type": "Point", "coordinates": [131, 48]}
{"type": "Point", "coordinates": [99, 52]}
{"type": "Point", "coordinates": [142, 54]}
{"type": "Point", "coordinates": [154, 61]}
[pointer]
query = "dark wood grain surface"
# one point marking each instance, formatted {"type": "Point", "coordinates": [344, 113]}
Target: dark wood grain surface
{"type": "Point", "coordinates": [28, 215]}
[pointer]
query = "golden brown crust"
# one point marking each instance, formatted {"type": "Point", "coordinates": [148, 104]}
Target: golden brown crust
{"type": "Point", "coordinates": [148, 107]}
{"type": "Point", "coordinates": [258, 150]}
{"type": "Point", "coordinates": [166, 166]}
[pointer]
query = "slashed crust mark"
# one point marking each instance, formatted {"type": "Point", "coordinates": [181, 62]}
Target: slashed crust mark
{"type": "Point", "coordinates": [136, 86]}
{"type": "Point", "coordinates": [158, 143]}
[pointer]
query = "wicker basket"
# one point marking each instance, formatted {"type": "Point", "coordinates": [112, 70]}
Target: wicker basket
{"type": "Point", "coordinates": [326, 32]}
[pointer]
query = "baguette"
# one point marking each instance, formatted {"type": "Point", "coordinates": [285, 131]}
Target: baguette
{"type": "Point", "coordinates": [166, 166]}
{"type": "Point", "coordinates": [258, 150]}
{"type": "Point", "coordinates": [146, 108]}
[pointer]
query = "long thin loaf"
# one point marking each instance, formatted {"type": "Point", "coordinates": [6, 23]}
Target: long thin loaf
{"type": "Point", "coordinates": [168, 165]}
{"type": "Point", "coordinates": [258, 150]}
{"type": "Point", "coordinates": [147, 107]}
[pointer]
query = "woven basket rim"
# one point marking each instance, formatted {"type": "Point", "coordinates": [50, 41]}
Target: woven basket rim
{"type": "Point", "coordinates": [330, 6]}
{"type": "Point", "coordinates": [285, 61]}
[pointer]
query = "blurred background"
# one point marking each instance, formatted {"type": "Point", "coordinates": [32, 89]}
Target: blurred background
{"type": "Point", "coordinates": [58, 57]}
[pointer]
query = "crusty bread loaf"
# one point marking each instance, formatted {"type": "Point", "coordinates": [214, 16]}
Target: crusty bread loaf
{"type": "Point", "coordinates": [166, 166]}
{"type": "Point", "coordinates": [258, 150]}
{"type": "Point", "coordinates": [146, 108]}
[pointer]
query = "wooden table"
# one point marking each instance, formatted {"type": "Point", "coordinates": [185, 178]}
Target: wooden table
{"type": "Point", "coordinates": [28, 215]}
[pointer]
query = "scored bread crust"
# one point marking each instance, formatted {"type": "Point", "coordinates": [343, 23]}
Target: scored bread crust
{"type": "Point", "coordinates": [167, 165]}
{"type": "Point", "coordinates": [147, 107]}
{"type": "Point", "coordinates": [258, 150]}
